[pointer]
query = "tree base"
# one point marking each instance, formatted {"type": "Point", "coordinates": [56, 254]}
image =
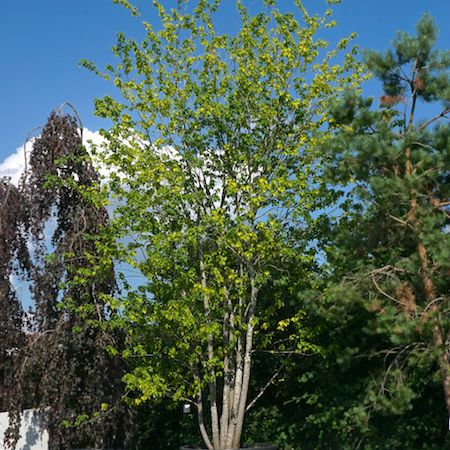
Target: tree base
{"type": "Point", "coordinates": [247, 447]}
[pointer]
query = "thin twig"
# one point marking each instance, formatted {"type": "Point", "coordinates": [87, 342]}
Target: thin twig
{"type": "Point", "coordinates": [385, 293]}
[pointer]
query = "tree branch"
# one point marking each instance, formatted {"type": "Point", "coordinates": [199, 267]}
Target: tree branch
{"type": "Point", "coordinates": [265, 387]}
{"type": "Point", "coordinates": [433, 119]}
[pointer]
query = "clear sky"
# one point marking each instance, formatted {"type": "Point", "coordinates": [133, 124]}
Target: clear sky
{"type": "Point", "coordinates": [42, 42]}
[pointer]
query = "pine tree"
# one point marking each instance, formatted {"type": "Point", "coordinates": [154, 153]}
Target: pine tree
{"type": "Point", "coordinates": [389, 251]}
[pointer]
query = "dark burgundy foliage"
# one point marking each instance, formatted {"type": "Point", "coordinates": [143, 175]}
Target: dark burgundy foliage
{"type": "Point", "coordinates": [12, 245]}
{"type": "Point", "coordinates": [60, 364]}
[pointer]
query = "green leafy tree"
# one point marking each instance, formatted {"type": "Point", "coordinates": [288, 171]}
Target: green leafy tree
{"type": "Point", "coordinates": [385, 305]}
{"type": "Point", "coordinates": [213, 160]}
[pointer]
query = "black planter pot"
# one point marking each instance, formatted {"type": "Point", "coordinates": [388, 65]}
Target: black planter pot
{"type": "Point", "coordinates": [247, 447]}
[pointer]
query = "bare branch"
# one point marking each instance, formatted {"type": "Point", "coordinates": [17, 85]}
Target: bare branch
{"type": "Point", "coordinates": [433, 119]}
{"type": "Point", "coordinates": [385, 293]}
{"type": "Point", "coordinates": [265, 387]}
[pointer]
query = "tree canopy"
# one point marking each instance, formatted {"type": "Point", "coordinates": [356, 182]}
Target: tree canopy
{"type": "Point", "coordinates": [214, 163]}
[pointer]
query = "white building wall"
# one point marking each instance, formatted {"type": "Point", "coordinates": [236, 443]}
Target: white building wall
{"type": "Point", "coordinates": [32, 437]}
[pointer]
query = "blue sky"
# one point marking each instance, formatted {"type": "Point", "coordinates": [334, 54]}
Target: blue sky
{"type": "Point", "coordinates": [42, 42]}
